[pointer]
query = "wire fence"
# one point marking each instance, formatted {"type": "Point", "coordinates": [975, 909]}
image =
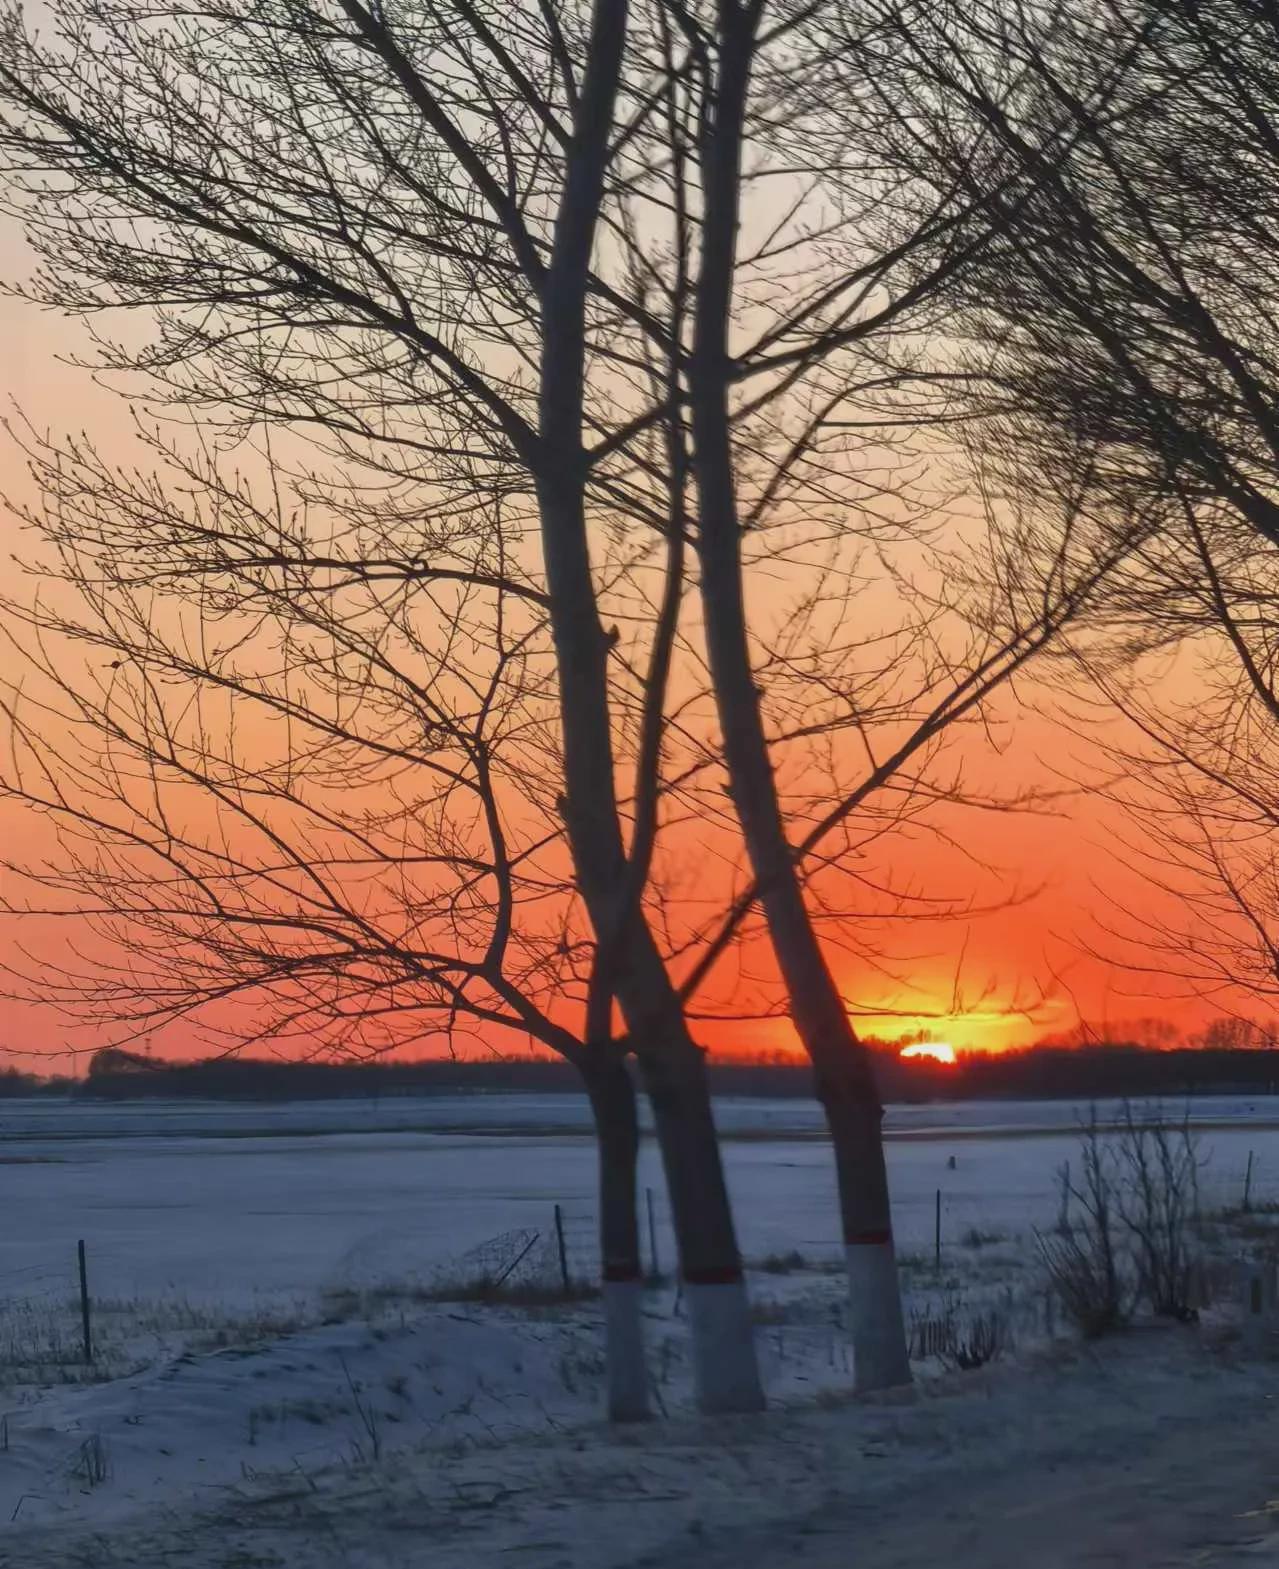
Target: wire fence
{"type": "Point", "coordinates": [81, 1304]}
{"type": "Point", "coordinates": [962, 1235]}
{"type": "Point", "coordinates": [560, 1243]}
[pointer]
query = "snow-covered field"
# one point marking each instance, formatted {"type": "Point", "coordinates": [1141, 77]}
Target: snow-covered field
{"type": "Point", "coordinates": [737, 1116]}
{"type": "Point", "coordinates": [273, 1202]}
{"type": "Point", "coordinates": [280, 1304]}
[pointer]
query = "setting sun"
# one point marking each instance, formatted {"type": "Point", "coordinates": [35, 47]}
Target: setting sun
{"type": "Point", "coordinates": [940, 1051]}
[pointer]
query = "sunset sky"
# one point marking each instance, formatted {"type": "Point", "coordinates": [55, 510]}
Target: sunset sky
{"type": "Point", "coordinates": [1045, 885]}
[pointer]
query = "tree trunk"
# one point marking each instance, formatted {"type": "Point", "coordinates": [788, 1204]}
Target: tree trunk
{"type": "Point", "coordinates": [726, 1367]}
{"type": "Point", "coordinates": [881, 1357]}
{"type": "Point", "coordinates": [723, 1340]}
{"type": "Point", "coordinates": [617, 1134]}
{"type": "Point", "coordinates": [845, 1084]}
{"type": "Point", "coordinates": [638, 980]}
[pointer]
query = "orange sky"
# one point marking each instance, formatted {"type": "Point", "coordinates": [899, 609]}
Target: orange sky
{"type": "Point", "coordinates": [990, 981]}
{"type": "Point", "coordinates": [1012, 975]}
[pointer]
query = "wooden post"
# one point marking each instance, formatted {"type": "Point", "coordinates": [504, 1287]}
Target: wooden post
{"type": "Point", "coordinates": [653, 1267]}
{"type": "Point", "coordinates": [84, 1304]}
{"type": "Point", "coordinates": [559, 1237]}
{"type": "Point", "coordinates": [937, 1233]}
{"type": "Point", "coordinates": [1247, 1186]}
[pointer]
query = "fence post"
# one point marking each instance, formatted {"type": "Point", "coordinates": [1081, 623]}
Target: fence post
{"type": "Point", "coordinates": [84, 1304]}
{"type": "Point", "coordinates": [937, 1234]}
{"type": "Point", "coordinates": [559, 1237]}
{"type": "Point", "coordinates": [1247, 1185]}
{"type": "Point", "coordinates": [653, 1267]}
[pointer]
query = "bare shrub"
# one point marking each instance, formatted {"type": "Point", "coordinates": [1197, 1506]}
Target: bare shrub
{"type": "Point", "coordinates": [1084, 1260]}
{"type": "Point", "coordinates": [1158, 1201]}
{"type": "Point", "coordinates": [960, 1342]}
{"type": "Point", "coordinates": [930, 1334]}
{"type": "Point", "coordinates": [1127, 1230]}
{"type": "Point", "coordinates": [1089, 1289]}
{"type": "Point", "coordinates": [783, 1263]}
{"type": "Point", "coordinates": [976, 1237]}
{"type": "Point", "coordinates": [984, 1338]}
{"type": "Point", "coordinates": [92, 1463]}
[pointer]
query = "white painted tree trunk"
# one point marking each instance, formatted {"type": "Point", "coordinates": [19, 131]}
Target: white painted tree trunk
{"type": "Point", "coordinates": [878, 1333]}
{"type": "Point", "coordinates": [627, 1378]}
{"type": "Point", "coordinates": [617, 1132]}
{"type": "Point", "coordinates": [725, 1365]}
{"type": "Point", "coordinates": [845, 1080]}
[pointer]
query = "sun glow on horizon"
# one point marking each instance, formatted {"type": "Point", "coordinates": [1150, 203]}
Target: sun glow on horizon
{"type": "Point", "coordinates": [939, 1051]}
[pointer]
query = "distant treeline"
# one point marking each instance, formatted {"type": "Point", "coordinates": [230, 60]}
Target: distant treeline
{"type": "Point", "coordinates": [14, 1082]}
{"type": "Point", "coordinates": [1082, 1073]}
{"type": "Point", "coordinates": [1045, 1072]}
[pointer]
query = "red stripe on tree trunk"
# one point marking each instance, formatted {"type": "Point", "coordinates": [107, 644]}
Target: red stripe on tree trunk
{"type": "Point", "coordinates": [867, 1239]}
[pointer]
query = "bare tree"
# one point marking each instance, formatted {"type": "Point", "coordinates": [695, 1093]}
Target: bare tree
{"type": "Point", "coordinates": [489, 260]}
{"type": "Point", "coordinates": [803, 371]}
{"type": "Point", "coordinates": [1194, 779]}
{"type": "Point", "coordinates": [380, 227]}
{"type": "Point", "coordinates": [1121, 345]}
{"type": "Point", "coordinates": [299, 792]}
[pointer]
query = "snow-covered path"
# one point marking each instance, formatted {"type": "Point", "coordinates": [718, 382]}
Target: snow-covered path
{"type": "Point", "coordinates": [1163, 1487]}
{"type": "Point", "coordinates": [1153, 1451]}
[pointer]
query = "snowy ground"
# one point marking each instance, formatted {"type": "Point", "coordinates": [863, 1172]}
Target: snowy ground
{"type": "Point", "coordinates": [200, 1203]}
{"type": "Point", "coordinates": [51, 1117]}
{"type": "Point", "coordinates": [277, 1381]}
{"type": "Point", "coordinates": [1154, 1450]}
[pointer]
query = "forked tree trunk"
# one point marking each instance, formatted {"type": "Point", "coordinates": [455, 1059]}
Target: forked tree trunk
{"type": "Point", "coordinates": [612, 1097]}
{"type": "Point", "coordinates": [725, 1363]}
{"type": "Point", "coordinates": [844, 1081]}
{"type": "Point", "coordinates": [650, 1005]}
{"type": "Point", "coordinates": [723, 1337]}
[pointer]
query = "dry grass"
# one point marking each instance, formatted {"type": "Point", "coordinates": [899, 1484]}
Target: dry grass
{"type": "Point", "coordinates": [783, 1263]}
{"type": "Point", "coordinates": [975, 1237]}
{"type": "Point", "coordinates": [344, 1303]}
{"type": "Point", "coordinates": [41, 1339]}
